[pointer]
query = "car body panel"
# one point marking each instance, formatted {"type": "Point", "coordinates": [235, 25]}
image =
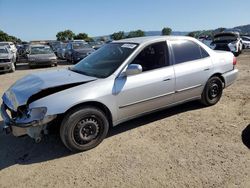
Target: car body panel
{"type": "Point", "coordinates": [124, 96]}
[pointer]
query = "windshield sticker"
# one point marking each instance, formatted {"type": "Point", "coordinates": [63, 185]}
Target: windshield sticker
{"type": "Point", "coordinates": [131, 46]}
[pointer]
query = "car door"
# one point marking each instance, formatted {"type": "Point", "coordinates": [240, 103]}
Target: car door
{"type": "Point", "coordinates": [152, 89]}
{"type": "Point", "coordinates": [192, 67]}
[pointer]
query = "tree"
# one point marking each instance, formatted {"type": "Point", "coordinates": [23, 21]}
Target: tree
{"type": "Point", "coordinates": [191, 34]}
{"type": "Point", "coordinates": [65, 35]}
{"type": "Point", "coordinates": [166, 31]}
{"type": "Point", "coordinates": [137, 33]}
{"type": "Point", "coordinates": [89, 39]}
{"type": "Point", "coordinates": [5, 37]}
{"type": "Point", "coordinates": [81, 36]}
{"type": "Point", "coordinates": [118, 36]}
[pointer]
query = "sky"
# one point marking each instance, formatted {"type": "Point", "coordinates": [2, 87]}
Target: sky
{"type": "Point", "coordinates": [42, 19]}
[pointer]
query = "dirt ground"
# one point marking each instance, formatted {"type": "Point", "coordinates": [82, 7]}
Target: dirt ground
{"type": "Point", "coordinates": [184, 146]}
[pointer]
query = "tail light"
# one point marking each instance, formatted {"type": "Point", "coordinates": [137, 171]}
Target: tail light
{"type": "Point", "coordinates": [234, 61]}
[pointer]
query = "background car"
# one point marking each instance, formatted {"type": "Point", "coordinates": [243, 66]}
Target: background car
{"type": "Point", "coordinates": [246, 41]}
{"type": "Point", "coordinates": [77, 50]}
{"type": "Point", "coordinates": [7, 63]}
{"type": "Point", "coordinates": [11, 47]}
{"type": "Point", "coordinates": [228, 41]}
{"type": "Point", "coordinates": [96, 45]}
{"type": "Point", "coordinates": [60, 51]}
{"type": "Point", "coordinates": [41, 55]}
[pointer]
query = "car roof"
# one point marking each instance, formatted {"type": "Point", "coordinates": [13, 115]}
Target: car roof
{"type": "Point", "coordinates": [141, 40]}
{"type": "Point", "coordinates": [6, 42]}
{"type": "Point", "coordinates": [38, 45]}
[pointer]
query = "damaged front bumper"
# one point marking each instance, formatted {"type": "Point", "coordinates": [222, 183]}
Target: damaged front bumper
{"type": "Point", "coordinates": [32, 123]}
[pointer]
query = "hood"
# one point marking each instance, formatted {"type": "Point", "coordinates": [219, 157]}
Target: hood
{"type": "Point", "coordinates": [48, 82]}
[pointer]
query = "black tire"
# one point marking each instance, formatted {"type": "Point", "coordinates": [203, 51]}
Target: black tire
{"type": "Point", "coordinates": [212, 91]}
{"type": "Point", "coordinates": [83, 128]}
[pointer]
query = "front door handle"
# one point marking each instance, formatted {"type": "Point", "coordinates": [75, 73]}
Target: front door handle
{"type": "Point", "coordinates": [207, 69]}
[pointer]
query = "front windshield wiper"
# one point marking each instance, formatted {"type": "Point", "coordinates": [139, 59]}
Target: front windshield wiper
{"type": "Point", "coordinates": [86, 73]}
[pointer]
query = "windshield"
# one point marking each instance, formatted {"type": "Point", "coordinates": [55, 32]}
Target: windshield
{"type": "Point", "coordinates": [225, 38]}
{"type": "Point", "coordinates": [103, 62]}
{"type": "Point", "coordinates": [40, 50]}
{"type": "Point", "coordinates": [5, 44]}
{"type": "Point", "coordinates": [80, 45]}
{"type": "Point", "coordinates": [3, 51]}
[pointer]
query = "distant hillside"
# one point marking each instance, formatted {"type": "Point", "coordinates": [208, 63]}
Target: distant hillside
{"type": "Point", "coordinates": [155, 33]}
{"type": "Point", "coordinates": [245, 29]}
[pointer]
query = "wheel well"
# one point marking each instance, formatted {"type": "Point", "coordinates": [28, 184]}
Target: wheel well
{"type": "Point", "coordinates": [98, 105]}
{"type": "Point", "coordinates": [221, 77]}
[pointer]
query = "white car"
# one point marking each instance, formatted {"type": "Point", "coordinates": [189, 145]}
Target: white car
{"type": "Point", "coordinates": [246, 42]}
{"type": "Point", "coordinates": [227, 41]}
{"type": "Point", "coordinates": [12, 48]}
{"type": "Point", "coordinates": [7, 63]}
{"type": "Point", "coordinates": [120, 81]}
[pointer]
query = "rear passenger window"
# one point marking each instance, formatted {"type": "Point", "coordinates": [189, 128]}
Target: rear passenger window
{"type": "Point", "coordinates": [185, 50]}
{"type": "Point", "coordinates": [204, 53]}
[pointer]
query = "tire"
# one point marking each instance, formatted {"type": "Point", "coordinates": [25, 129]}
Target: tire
{"type": "Point", "coordinates": [83, 128]}
{"type": "Point", "coordinates": [212, 91]}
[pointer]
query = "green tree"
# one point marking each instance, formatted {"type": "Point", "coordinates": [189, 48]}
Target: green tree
{"type": "Point", "coordinates": [118, 36]}
{"type": "Point", "coordinates": [166, 31]}
{"type": "Point", "coordinates": [192, 34]}
{"type": "Point", "coordinates": [81, 36]}
{"type": "Point", "coordinates": [5, 37]}
{"type": "Point", "coordinates": [89, 39]}
{"type": "Point", "coordinates": [65, 35]}
{"type": "Point", "coordinates": [137, 33]}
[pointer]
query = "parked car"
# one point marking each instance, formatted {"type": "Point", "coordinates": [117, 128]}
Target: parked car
{"type": "Point", "coordinates": [77, 50]}
{"type": "Point", "coordinates": [61, 50]}
{"type": "Point", "coordinates": [54, 45]}
{"type": "Point", "coordinates": [246, 42]}
{"type": "Point", "coordinates": [22, 52]}
{"type": "Point", "coordinates": [120, 81]}
{"type": "Point", "coordinates": [11, 47]}
{"type": "Point", "coordinates": [41, 55]}
{"type": "Point", "coordinates": [228, 41]}
{"type": "Point", "coordinates": [7, 63]}
{"type": "Point", "coordinates": [96, 45]}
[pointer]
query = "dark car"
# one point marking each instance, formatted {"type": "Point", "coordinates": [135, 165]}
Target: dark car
{"type": "Point", "coordinates": [76, 51]}
{"type": "Point", "coordinates": [227, 41]}
{"type": "Point", "coordinates": [41, 55]}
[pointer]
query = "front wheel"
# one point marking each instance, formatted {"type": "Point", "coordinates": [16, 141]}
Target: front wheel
{"type": "Point", "coordinates": [212, 91]}
{"type": "Point", "coordinates": [83, 128]}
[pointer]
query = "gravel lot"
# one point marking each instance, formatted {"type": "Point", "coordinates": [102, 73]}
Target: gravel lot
{"type": "Point", "coordinates": [185, 146]}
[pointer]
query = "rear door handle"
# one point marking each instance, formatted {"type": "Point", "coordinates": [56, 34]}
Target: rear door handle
{"type": "Point", "coordinates": [206, 69]}
{"type": "Point", "coordinates": [166, 79]}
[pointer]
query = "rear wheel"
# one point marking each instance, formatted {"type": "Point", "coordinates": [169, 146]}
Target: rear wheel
{"type": "Point", "coordinates": [83, 128]}
{"type": "Point", "coordinates": [212, 91]}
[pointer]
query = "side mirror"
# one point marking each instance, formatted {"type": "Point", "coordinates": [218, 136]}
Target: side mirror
{"type": "Point", "coordinates": [133, 69]}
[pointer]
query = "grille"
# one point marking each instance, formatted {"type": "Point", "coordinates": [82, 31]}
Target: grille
{"type": "Point", "coordinates": [4, 60]}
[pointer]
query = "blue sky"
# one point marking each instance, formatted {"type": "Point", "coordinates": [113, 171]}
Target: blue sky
{"type": "Point", "coordinates": [42, 19]}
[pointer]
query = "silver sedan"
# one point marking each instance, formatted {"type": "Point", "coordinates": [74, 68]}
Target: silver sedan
{"type": "Point", "coordinates": [120, 81]}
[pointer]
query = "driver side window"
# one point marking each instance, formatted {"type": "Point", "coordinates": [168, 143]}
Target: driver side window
{"type": "Point", "coordinates": [152, 57]}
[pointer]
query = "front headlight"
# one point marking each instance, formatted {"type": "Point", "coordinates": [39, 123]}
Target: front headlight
{"type": "Point", "coordinates": [52, 58]}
